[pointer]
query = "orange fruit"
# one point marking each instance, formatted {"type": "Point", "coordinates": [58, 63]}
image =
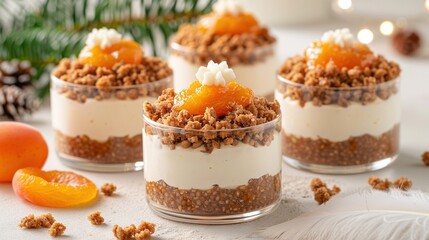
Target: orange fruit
{"type": "Point", "coordinates": [198, 97]}
{"type": "Point", "coordinates": [227, 23]}
{"type": "Point", "coordinates": [20, 146]}
{"type": "Point", "coordinates": [56, 189]}
{"type": "Point", "coordinates": [125, 51]}
{"type": "Point", "coordinates": [358, 54]}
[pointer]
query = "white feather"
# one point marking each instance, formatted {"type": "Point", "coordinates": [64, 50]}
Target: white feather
{"type": "Point", "coordinates": [367, 215]}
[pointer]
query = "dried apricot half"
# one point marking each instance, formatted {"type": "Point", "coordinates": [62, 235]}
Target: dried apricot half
{"type": "Point", "coordinates": [319, 54]}
{"type": "Point", "coordinates": [198, 97]}
{"type": "Point", "coordinates": [125, 51]}
{"type": "Point", "coordinates": [56, 189]}
{"type": "Point", "coordinates": [228, 23]}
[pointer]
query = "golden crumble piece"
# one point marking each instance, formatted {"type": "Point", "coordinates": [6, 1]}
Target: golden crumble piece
{"type": "Point", "coordinates": [425, 158]}
{"type": "Point", "coordinates": [143, 232]}
{"type": "Point", "coordinates": [29, 221]}
{"type": "Point", "coordinates": [95, 218]}
{"type": "Point", "coordinates": [322, 193]}
{"type": "Point", "coordinates": [403, 183]}
{"type": "Point", "coordinates": [378, 183]}
{"type": "Point", "coordinates": [57, 229]}
{"type": "Point", "coordinates": [147, 226]}
{"type": "Point", "coordinates": [126, 233]}
{"type": "Point", "coordinates": [143, 235]}
{"type": "Point", "coordinates": [46, 220]}
{"type": "Point", "coordinates": [108, 189]}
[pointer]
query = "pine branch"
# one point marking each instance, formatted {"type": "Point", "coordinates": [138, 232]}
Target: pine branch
{"type": "Point", "coordinates": [44, 31]}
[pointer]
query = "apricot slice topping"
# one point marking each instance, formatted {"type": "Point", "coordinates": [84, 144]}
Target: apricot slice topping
{"type": "Point", "coordinates": [198, 97]}
{"type": "Point", "coordinates": [125, 51]}
{"type": "Point", "coordinates": [228, 23]}
{"type": "Point", "coordinates": [56, 189]}
{"type": "Point", "coordinates": [319, 54]}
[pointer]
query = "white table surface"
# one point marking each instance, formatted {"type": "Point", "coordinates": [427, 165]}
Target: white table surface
{"type": "Point", "coordinates": [129, 205]}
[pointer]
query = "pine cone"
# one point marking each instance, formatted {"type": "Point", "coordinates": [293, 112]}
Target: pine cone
{"type": "Point", "coordinates": [15, 103]}
{"type": "Point", "coordinates": [406, 42]}
{"type": "Point", "coordinates": [16, 73]}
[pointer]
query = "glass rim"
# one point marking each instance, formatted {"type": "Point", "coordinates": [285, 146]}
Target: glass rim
{"type": "Point", "coordinates": [270, 124]}
{"type": "Point", "coordinates": [180, 48]}
{"type": "Point", "coordinates": [300, 85]}
{"type": "Point", "coordinates": [74, 85]}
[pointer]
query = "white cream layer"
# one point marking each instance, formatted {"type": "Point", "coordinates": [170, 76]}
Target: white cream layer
{"type": "Point", "coordinates": [228, 167]}
{"type": "Point", "coordinates": [99, 120]}
{"type": "Point", "coordinates": [260, 76]}
{"type": "Point", "coordinates": [337, 123]}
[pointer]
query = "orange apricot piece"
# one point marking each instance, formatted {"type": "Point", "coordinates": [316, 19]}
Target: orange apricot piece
{"type": "Point", "coordinates": [198, 97]}
{"type": "Point", "coordinates": [125, 51]}
{"type": "Point", "coordinates": [319, 54]}
{"type": "Point", "coordinates": [56, 189]}
{"type": "Point", "coordinates": [20, 146]}
{"type": "Point", "coordinates": [227, 23]}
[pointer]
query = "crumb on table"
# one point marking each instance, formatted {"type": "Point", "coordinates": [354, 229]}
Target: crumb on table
{"type": "Point", "coordinates": [31, 221]}
{"type": "Point", "coordinates": [95, 218]}
{"type": "Point", "coordinates": [403, 183]}
{"type": "Point", "coordinates": [108, 189]}
{"type": "Point", "coordinates": [57, 229]}
{"type": "Point", "coordinates": [322, 193]}
{"type": "Point", "coordinates": [425, 158]}
{"type": "Point", "coordinates": [143, 232]}
{"type": "Point", "coordinates": [378, 183]}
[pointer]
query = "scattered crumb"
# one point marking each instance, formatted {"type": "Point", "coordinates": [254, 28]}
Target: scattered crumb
{"type": "Point", "coordinates": [403, 183]}
{"type": "Point", "coordinates": [322, 193]}
{"type": "Point", "coordinates": [379, 184]}
{"type": "Point", "coordinates": [143, 232]}
{"type": "Point", "coordinates": [57, 229]}
{"type": "Point", "coordinates": [425, 158]}
{"type": "Point", "coordinates": [30, 221]}
{"type": "Point", "coordinates": [95, 218]}
{"type": "Point", "coordinates": [143, 235]}
{"type": "Point", "coordinates": [46, 220]}
{"type": "Point", "coordinates": [108, 189]}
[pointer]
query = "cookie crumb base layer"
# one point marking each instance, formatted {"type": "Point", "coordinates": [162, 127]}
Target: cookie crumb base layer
{"type": "Point", "coordinates": [258, 194]}
{"type": "Point", "coordinates": [357, 154]}
{"type": "Point", "coordinates": [115, 150]}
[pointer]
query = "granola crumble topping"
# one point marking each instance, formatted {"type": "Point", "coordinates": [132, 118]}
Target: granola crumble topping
{"type": "Point", "coordinates": [235, 49]}
{"type": "Point", "coordinates": [259, 111]}
{"type": "Point", "coordinates": [150, 70]}
{"type": "Point", "coordinates": [317, 85]}
{"type": "Point", "coordinates": [95, 218]}
{"type": "Point", "coordinates": [57, 229]}
{"type": "Point", "coordinates": [322, 193]}
{"type": "Point", "coordinates": [130, 76]}
{"type": "Point", "coordinates": [108, 189]}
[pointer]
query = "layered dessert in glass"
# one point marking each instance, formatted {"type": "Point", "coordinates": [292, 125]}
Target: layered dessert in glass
{"type": "Point", "coordinates": [213, 151]}
{"type": "Point", "coordinates": [226, 34]}
{"type": "Point", "coordinates": [96, 102]}
{"type": "Point", "coordinates": [341, 107]}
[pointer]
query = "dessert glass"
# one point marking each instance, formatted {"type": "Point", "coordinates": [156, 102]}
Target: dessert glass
{"type": "Point", "coordinates": [256, 68]}
{"type": "Point", "coordinates": [339, 130]}
{"type": "Point", "coordinates": [208, 182]}
{"type": "Point", "coordinates": [99, 128]}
